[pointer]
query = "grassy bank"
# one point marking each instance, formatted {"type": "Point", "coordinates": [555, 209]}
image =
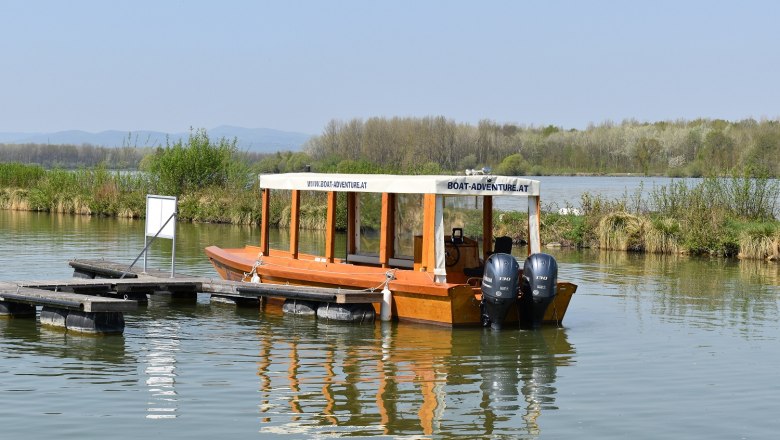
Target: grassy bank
{"type": "Point", "coordinates": [104, 193]}
{"type": "Point", "coordinates": [727, 217]}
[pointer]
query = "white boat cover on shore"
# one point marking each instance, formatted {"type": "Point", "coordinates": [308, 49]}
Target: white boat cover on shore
{"type": "Point", "coordinates": [480, 185]}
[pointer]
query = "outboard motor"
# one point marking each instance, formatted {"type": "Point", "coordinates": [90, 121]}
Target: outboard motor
{"type": "Point", "coordinates": [499, 288]}
{"type": "Point", "coordinates": [537, 289]}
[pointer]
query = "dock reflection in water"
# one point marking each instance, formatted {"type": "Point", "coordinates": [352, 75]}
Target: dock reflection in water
{"type": "Point", "coordinates": [332, 379]}
{"type": "Point", "coordinates": [163, 345]}
{"type": "Point", "coordinates": [105, 354]}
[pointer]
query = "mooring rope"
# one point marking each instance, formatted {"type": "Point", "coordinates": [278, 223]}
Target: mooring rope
{"type": "Point", "coordinates": [389, 276]}
{"type": "Point", "coordinates": [255, 276]}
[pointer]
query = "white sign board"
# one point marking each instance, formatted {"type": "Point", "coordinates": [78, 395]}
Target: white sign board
{"type": "Point", "coordinates": [481, 185]}
{"type": "Point", "coordinates": [159, 210]}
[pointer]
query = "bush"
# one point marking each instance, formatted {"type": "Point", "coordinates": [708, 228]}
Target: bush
{"type": "Point", "coordinates": [199, 163]}
{"type": "Point", "coordinates": [513, 165]}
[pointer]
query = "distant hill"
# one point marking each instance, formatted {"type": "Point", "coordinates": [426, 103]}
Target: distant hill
{"type": "Point", "coordinates": [257, 140]}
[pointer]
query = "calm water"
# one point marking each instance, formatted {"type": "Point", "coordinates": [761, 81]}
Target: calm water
{"type": "Point", "coordinates": [567, 191]}
{"type": "Point", "coordinates": [653, 347]}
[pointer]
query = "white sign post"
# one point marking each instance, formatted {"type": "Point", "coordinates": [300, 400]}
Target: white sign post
{"type": "Point", "coordinates": [161, 222]}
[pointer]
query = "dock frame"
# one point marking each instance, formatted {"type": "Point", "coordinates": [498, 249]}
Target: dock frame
{"type": "Point", "coordinates": [95, 300]}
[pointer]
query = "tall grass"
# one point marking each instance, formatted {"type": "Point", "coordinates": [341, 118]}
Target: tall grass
{"type": "Point", "coordinates": [717, 216]}
{"type": "Point", "coordinates": [622, 231]}
{"type": "Point", "coordinates": [740, 197]}
{"type": "Point", "coordinates": [711, 213]}
{"type": "Point", "coordinates": [663, 236]}
{"type": "Point", "coordinates": [759, 241]}
{"type": "Point", "coordinates": [17, 175]}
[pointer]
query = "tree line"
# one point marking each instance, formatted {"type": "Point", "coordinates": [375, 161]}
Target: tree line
{"type": "Point", "coordinates": [435, 144]}
{"type": "Point", "coordinates": [69, 156]}
{"type": "Point", "coordinates": [73, 156]}
{"type": "Point", "coordinates": [675, 148]}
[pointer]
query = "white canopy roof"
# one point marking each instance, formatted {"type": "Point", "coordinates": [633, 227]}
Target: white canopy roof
{"type": "Point", "coordinates": [480, 185]}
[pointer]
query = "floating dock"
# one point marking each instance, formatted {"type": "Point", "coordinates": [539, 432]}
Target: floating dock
{"type": "Point", "coordinates": [95, 300]}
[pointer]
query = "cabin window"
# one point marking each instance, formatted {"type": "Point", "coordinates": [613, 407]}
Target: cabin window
{"type": "Point", "coordinates": [280, 198]}
{"type": "Point", "coordinates": [463, 212]}
{"type": "Point", "coordinates": [314, 217]}
{"type": "Point", "coordinates": [408, 223]}
{"type": "Point", "coordinates": [370, 209]}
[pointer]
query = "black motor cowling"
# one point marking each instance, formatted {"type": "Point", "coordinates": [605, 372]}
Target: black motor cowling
{"type": "Point", "coordinates": [537, 288]}
{"type": "Point", "coordinates": [499, 288]}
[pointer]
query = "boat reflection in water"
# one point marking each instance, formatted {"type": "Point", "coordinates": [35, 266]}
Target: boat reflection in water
{"type": "Point", "coordinates": [406, 379]}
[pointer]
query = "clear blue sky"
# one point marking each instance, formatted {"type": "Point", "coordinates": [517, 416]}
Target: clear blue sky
{"type": "Point", "coordinates": [295, 65]}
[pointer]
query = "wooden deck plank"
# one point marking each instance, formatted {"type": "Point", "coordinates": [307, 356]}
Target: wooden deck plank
{"type": "Point", "coordinates": [74, 301]}
{"type": "Point", "coordinates": [323, 294]}
{"type": "Point", "coordinates": [112, 283]}
{"type": "Point", "coordinates": [219, 286]}
{"type": "Point", "coordinates": [104, 268]}
{"type": "Point", "coordinates": [113, 269]}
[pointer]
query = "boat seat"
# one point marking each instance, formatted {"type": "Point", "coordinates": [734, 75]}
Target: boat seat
{"type": "Point", "coordinates": [503, 245]}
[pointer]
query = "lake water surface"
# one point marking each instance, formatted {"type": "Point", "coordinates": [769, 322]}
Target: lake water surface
{"type": "Point", "coordinates": [652, 347]}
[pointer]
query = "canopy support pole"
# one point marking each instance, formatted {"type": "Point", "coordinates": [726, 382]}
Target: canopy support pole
{"type": "Point", "coordinates": [534, 222]}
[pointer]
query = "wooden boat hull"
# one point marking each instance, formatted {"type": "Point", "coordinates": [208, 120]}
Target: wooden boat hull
{"type": "Point", "coordinates": [416, 297]}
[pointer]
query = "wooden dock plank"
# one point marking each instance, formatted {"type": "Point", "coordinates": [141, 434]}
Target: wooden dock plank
{"type": "Point", "coordinates": [219, 286]}
{"type": "Point", "coordinates": [104, 268]}
{"type": "Point", "coordinates": [112, 269]}
{"type": "Point", "coordinates": [112, 283]}
{"type": "Point", "coordinates": [74, 301]}
{"type": "Point", "coordinates": [323, 294]}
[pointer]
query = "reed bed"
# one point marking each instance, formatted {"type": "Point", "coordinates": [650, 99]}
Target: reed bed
{"type": "Point", "coordinates": [622, 231]}
{"type": "Point", "coordinates": [760, 242]}
{"type": "Point", "coordinates": [663, 237]}
{"type": "Point", "coordinates": [14, 199]}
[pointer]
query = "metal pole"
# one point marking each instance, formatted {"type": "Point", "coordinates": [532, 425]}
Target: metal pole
{"type": "Point", "coordinates": [173, 252]}
{"type": "Point", "coordinates": [146, 237]}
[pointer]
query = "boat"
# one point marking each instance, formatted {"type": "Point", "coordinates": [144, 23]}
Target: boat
{"type": "Point", "coordinates": [412, 252]}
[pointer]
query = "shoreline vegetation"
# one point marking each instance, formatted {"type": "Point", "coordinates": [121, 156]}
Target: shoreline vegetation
{"type": "Point", "coordinates": [734, 216]}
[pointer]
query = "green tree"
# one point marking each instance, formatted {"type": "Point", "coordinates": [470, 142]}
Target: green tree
{"type": "Point", "coordinates": [513, 165]}
{"type": "Point", "coordinates": [718, 151]}
{"type": "Point", "coordinates": [762, 157]}
{"type": "Point", "coordinates": [645, 152]}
